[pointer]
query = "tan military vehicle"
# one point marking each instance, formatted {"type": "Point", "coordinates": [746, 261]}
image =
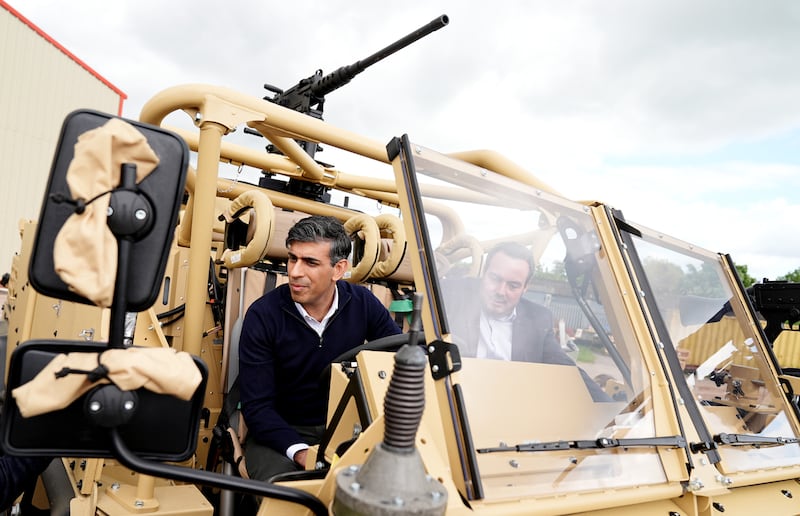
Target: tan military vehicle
{"type": "Point", "coordinates": [659, 392]}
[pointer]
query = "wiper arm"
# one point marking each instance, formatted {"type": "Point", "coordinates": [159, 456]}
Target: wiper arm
{"type": "Point", "coordinates": [673, 441]}
{"type": "Point", "coordinates": [753, 440]}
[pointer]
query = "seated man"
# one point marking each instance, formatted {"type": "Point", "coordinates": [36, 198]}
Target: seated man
{"type": "Point", "coordinates": [498, 322]}
{"type": "Point", "coordinates": [290, 335]}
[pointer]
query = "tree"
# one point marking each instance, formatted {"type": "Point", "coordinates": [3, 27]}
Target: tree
{"type": "Point", "coordinates": [747, 279]}
{"type": "Point", "coordinates": [793, 276]}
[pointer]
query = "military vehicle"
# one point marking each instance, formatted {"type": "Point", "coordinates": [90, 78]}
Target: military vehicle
{"type": "Point", "coordinates": [673, 401]}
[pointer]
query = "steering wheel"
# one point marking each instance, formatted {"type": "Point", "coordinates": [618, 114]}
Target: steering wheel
{"type": "Point", "coordinates": [388, 343]}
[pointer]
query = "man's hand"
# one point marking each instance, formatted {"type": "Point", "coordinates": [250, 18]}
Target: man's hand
{"type": "Point", "coordinates": [300, 457]}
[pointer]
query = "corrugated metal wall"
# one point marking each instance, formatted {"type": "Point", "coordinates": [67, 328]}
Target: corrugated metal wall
{"type": "Point", "coordinates": [40, 85]}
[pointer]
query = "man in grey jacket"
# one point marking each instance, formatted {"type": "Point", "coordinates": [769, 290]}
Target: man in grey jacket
{"type": "Point", "coordinates": [498, 322]}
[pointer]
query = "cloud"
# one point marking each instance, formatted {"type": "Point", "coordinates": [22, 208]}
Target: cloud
{"type": "Point", "coordinates": [683, 114]}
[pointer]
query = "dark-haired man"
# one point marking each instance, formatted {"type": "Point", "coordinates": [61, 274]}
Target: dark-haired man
{"type": "Point", "coordinates": [290, 335]}
{"type": "Point", "coordinates": [499, 323]}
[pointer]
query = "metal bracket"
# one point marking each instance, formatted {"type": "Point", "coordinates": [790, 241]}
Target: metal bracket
{"type": "Point", "coordinates": [444, 358]}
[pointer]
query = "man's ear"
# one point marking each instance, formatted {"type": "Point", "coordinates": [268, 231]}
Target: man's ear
{"type": "Point", "coordinates": [339, 269]}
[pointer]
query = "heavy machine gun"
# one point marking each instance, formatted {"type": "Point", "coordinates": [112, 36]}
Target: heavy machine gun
{"type": "Point", "coordinates": [308, 97]}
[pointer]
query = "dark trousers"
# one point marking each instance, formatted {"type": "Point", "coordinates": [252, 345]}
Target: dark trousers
{"type": "Point", "coordinates": [264, 462]}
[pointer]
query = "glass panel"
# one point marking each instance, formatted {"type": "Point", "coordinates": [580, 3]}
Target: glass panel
{"type": "Point", "coordinates": [549, 355]}
{"type": "Point", "coordinates": [724, 366]}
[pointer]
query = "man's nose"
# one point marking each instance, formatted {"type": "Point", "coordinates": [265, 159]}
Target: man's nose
{"type": "Point", "coordinates": [296, 269]}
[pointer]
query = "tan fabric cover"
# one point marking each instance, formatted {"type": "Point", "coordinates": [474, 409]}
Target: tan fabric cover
{"type": "Point", "coordinates": [161, 370]}
{"type": "Point", "coordinates": [85, 250]}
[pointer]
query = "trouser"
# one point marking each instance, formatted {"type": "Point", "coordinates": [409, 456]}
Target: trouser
{"type": "Point", "coordinates": [264, 462]}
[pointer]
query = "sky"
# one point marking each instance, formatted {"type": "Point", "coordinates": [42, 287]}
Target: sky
{"type": "Point", "coordinates": [683, 114]}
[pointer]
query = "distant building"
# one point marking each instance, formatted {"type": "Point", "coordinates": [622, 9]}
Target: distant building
{"type": "Point", "coordinates": [40, 83]}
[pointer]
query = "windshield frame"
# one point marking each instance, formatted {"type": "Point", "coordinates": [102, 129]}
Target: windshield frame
{"type": "Point", "coordinates": [450, 390]}
{"type": "Point", "coordinates": [723, 446]}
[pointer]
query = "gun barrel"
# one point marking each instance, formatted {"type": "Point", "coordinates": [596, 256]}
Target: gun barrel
{"type": "Point", "coordinates": [342, 76]}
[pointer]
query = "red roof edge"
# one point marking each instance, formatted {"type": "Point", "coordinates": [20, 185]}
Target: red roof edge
{"type": "Point", "coordinates": [122, 95]}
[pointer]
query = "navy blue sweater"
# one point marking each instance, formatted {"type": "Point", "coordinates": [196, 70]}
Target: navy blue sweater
{"type": "Point", "coordinates": [281, 359]}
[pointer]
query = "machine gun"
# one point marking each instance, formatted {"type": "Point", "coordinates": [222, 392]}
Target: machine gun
{"type": "Point", "coordinates": [308, 97]}
{"type": "Point", "coordinates": [778, 302]}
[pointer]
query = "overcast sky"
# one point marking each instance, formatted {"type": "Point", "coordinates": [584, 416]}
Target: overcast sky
{"type": "Point", "coordinates": [684, 114]}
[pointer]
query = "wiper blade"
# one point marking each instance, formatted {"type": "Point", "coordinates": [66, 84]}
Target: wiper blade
{"type": "Point", "coordinates": [753, 440]}
{"type": "Point", "coordinates": [673, 441]}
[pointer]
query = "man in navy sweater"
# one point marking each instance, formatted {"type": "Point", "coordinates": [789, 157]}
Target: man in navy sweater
{"type": "Point", "coordinates": [290, 335]}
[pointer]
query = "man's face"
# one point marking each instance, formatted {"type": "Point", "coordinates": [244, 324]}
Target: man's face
{"type": "Point", "coordinates": [502, 284]}
{"type": "Point", "coordinates": [312, 278]}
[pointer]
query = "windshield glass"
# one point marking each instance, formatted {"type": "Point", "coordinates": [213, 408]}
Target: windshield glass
{"type": "Point", "coordinates": [724, 366]}
{"type": "Point", "coordinates": [522, 286]}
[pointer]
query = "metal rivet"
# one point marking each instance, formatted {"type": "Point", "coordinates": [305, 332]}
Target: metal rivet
{"type": "Point", "coordinates": [109, 211]}
{"type": "Point", "coordinates": [128, 405]}
{"type": "Point", "coordinates": [95, 406]}
{"type": "Point", "coordinates": [513, 463]}
{"type": "Point", "coordinates": [381, 374]}
{"type": "Point", "coordinates": [140, 214]}
{"type": "Point", "coordinates": [435, 368]}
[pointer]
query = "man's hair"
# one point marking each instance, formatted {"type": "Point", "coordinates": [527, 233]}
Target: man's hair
{"type": "Point", "coordinates": [514, 250]}
{"type": "Point", "coordinates": [318, 228]}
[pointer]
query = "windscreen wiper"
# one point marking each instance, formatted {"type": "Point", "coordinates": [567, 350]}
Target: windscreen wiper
{"type": "Point", "coordinates": [673, 441]}
{"type": "Point", "coordinates": [756, 441]}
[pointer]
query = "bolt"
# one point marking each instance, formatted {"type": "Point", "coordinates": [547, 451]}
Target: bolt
{"type": "Point", "coordinates": [436, 495]}
{"type": "Point", "coordinates": [398, 501]}
{"type": "Point", "coordinates": [431, 349]}
{"type": "Point", "coordinates": [138, 503]}
{"type": "Point", "coordinates": [513, 463]}
{"type": "Point", "coordinates": [109, 211]}
{"type": "Point", "coordinates": [115, 486]}
{"type": "Point", "coordinates": [382, 374]}
{"type": "Point", "coordinates": [95, 406]}
{"type": "Point", "coordinates": [786, 493]}
{"type": "Point", "coordinates": [128, 405]}
{"type": "Point", "coordinates": [198, 116]}
{"type": "Point", "coordinates": [140, 214]}
{"type": "Point", "coordinates": [573, 460]}
{"type": "Point", "coordinates": [695, 485]}
{"type": "Point", "coordinates": [718, 506]}
{"type": "Point", "coordinates": [435, 368]}
{"type": "Point", "coordinates": [418, 150]}
{"type": "Point", "coordinates": [355, 486]}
